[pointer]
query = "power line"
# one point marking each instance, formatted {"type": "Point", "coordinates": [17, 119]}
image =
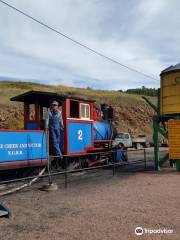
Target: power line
{"type": "Point", "coordinates": [76, 42]}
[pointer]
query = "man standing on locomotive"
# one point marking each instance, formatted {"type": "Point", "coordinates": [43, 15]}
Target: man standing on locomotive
{"type": "Point", "coordinates": [54, 123]}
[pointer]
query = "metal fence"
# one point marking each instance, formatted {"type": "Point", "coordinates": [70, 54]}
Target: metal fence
{"type": "Point", "coordinates": [136, 160]}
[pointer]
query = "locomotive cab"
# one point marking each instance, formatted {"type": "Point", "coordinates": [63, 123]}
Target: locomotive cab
{"type": "Point", "coordinates": [36, 104]}
{"type": "Point", "coordinates": [77, 116]}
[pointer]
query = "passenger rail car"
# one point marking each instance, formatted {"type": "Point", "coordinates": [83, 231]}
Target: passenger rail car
{"type": "Point", "coordinates": [86, 130]}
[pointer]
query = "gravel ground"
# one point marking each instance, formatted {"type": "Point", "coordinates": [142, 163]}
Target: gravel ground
{"type": "Point", "coordinates": [103, 207]}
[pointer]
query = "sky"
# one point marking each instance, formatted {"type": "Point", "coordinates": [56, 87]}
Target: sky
{"type": "Point", "coordinates": [143, 34]}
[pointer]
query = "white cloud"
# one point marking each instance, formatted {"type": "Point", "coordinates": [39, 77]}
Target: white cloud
{"type": "Point", "coordinates": [141, 34]}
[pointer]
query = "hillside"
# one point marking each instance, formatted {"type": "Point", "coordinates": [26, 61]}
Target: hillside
{"type": "Point", "coordinates": [132, 113]}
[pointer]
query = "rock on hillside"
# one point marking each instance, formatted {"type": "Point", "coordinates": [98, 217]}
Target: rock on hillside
{"type": "Point", "coordinates": [134, 119]}
{"type": "Point", "coordinates": [11, 118]}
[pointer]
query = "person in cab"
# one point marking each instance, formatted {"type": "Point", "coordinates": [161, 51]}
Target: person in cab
{"type": "Point", "coordinates": [54, 123]}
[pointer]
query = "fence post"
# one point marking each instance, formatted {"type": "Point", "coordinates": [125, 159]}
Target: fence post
{"type": "Point", "coordinates": [48, 156]}
{"type": "Point", "coordinates": [65, 175]}
{"type": "Point", "coordinates": [127, 154]}
{"type": "Point", "coordinates": [145, 159]}
{"type": "Point", "coordinates": [114, 163]}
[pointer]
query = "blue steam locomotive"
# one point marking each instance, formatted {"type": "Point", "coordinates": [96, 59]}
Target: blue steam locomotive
{"type": "Point", "coordinates": [87, 130]}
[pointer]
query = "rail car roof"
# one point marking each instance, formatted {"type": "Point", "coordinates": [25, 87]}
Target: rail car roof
{"type": "Point", "coordinates": [44, 98]}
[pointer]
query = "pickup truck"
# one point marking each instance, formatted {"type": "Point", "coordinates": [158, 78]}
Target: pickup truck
{"type": "Point", "coordinates": [129, 142]}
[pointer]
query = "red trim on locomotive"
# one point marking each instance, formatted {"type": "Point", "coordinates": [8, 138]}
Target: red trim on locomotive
{"type": "Point", "coordinates": [103, 141]}
{"type": "Point", "coordinates": [31, 162]}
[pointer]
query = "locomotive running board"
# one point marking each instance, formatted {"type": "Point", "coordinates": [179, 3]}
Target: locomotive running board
{"type": "Point", "coordinates": [4, 212]}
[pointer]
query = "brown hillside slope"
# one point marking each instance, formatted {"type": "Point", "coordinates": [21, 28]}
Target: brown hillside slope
{"type": "Point", "coordinates": [132, 113]}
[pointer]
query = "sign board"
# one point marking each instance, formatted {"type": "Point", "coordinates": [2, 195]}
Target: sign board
{"type": "Point", "coordinates": [81, 137]}
{"type": "Point", "coordinates": [22, 146]}
{"type": "Point", "coordinates": [174, 139]}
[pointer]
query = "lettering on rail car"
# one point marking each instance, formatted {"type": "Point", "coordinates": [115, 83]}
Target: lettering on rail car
{"type": "Point", "coordinates": [25, 145]}
{"type": "Point", "coordinates": [14, 153]}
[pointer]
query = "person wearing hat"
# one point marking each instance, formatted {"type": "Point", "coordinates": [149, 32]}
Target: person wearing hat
{"type": "Point", "coordinates": [54, 123]}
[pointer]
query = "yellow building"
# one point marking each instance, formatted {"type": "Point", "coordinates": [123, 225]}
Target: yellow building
{"type": "Point", "coordinates": [170, 90]}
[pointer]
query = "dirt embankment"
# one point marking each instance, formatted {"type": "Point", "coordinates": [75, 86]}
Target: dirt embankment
{"type": "Point", "coordinates": [11, 118]}
{"type": "Point", "coordinates": [135, 119]}
{"type": "Point", "coordinates": [132, 113]}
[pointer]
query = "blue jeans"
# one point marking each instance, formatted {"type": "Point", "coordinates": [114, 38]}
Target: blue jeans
{"type": "Point", "coordinates": [55, 135]}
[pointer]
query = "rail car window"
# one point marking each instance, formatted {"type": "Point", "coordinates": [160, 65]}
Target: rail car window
{"type": "Point", "coordinates": [31, 112]}
{"type": "Point", "coordinates": [74, 109]}
{"type": "Point", "coordinates": [85, 111]}
{"type": "Point", "coordinates": [126, 136]}
{"type": "Point", "coordinates": [123, 135]}
{"type": "Point", "coordinates": [44, 112]}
